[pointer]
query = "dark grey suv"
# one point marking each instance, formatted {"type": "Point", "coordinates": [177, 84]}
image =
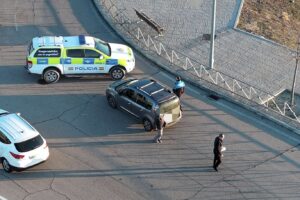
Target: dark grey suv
{"type": "Point", "coordinates": [144, 98]}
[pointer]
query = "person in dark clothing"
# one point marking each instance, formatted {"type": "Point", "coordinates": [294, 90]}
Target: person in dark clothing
{"type": "Point", "coordinates": [160, 124]}
{"type": "Point", "coordinates": [179, 86]}
{"type": "Point", "coordinates": [218, 148]}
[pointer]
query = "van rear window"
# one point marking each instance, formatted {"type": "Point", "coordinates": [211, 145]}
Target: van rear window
{"type": "Point", "coordinates": [30, 144]}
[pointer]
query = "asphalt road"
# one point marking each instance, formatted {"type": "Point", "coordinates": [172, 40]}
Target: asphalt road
{"type": "Point", "coordinates": [101, 153]}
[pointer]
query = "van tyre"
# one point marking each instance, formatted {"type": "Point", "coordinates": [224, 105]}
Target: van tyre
{"type": "Point", "coordinates": [6, 166]}
{"type": "Point", "coordinates": [51, 75]}
{"type": "Point", "coordinates": [117, 73]}
{"type": "Point", "coordinates": [111, 101]}
{"type": "Point", "coordinates": [147, 125]}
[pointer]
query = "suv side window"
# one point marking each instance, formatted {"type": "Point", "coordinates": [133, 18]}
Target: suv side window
{"type": "Point", "coordinates": [4, 139]}
{"type": "Point", "coordinates": [75, 53]}
{"type": "Point", "coordinates": [91, 54]}
{"type": "Point", "coordinates": [129, 93]}
{"type": "Point", "coordinates": [53, 52]}
{"type": "Point", "coordinates": [143, 101]}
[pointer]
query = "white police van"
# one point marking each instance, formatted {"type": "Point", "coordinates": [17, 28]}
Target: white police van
{"type": "Point", "coordinates": [53, 56]}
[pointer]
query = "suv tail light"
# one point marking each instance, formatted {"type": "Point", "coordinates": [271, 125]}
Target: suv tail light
{"type": "Point", "coordinates": [16, 156]}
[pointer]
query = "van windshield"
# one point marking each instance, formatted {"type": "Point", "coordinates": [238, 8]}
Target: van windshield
{"type": "Point", "coordinates": [102, 46]}
{"type": "Point", "coordinates": [30, 144]}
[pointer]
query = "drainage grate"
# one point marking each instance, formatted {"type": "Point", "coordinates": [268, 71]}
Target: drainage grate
{"type": "Point", "coordinates": [213, 97]}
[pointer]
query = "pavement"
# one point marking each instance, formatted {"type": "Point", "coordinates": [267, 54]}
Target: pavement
{"type": "Point", "coordinates": [99, 153]}
{"type": "Point", "coordinates": [249, 58]}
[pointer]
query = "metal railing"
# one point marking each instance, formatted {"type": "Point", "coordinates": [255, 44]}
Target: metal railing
{"type": "Point", "coordinates": [175, 60]}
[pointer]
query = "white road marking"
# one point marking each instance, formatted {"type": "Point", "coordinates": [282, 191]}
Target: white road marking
{"type": "Point", "coordinates": [15, 16]}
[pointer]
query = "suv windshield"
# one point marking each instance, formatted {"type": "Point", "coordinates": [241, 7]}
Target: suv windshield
{"type": "Point", "coordinates": [102, 46]}
{"type": "Point", "coordinates": [30, 144]}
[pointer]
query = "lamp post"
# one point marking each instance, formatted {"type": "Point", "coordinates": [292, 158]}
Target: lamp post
{"type": "Point", "coordinates": [295, 73]}
{"type": "Point", "coordinates": [212, 35]}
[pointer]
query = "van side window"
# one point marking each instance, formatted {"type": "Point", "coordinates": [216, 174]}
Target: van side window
{"type": "Point", "coordinates": [4, 139]}
{"type": "Point", "coordinates": [53, 52]}
{"type": "Point", "coordinates": [75, 53]}
{"type": "Point", "coordinates": [91, 54]}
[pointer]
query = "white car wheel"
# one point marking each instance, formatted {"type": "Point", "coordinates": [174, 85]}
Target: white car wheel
{"type": "Point", "coordinates": [6, 166]}
{"type": "Point", "coordinates": [51, 76]}
{"type": "Point", "coordinates": [117, 73]}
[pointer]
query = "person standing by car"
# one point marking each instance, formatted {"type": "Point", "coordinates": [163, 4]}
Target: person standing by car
{"type": "Point", "coordinates": [160, 124]}
{"type": "Point", "coordinates": [218, 148]}
{"type": "Point", "coordinates": [179, 86]}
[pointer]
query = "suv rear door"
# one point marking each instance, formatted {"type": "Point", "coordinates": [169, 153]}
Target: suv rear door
{"type": "Point", "coordinates": [127, 101]}
{"type": "Point", "coordinates": [143, 106]}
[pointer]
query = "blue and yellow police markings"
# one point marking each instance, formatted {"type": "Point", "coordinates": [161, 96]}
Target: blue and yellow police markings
{"type": "Point", "coordinates": [65, 61]}
{"type": "Point", "coordinates": [112, 61]}
{"type": "Point", "coordinates": [42, 61]}
{"type": "Point", "coordinates": [88, 61]}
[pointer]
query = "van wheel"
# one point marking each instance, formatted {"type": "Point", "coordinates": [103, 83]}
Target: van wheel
{"type": "Point", "coordinates": [111, 101]}
{"type": "Point", "coordinates": [51, 75]}
{"type": "Point", "coordinates": [6, 166]}
{"type": "Point", "coordinates": [117, 73]}
{"type": "Point", "coordinates": [147, 125]}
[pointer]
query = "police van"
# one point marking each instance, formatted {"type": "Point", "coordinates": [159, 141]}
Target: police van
{"type": "Point", "coordinates": [54, 56]}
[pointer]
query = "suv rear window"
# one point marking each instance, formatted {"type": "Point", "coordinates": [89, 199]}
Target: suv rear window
{"type": "Point", "coordinates": [30, 144]}
{"type": "Point", "coordinates": [169, 106]}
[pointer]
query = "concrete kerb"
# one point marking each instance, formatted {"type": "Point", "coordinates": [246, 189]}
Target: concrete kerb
{"type": "Point", "coordinates": [188, 79]}
{"type": "Point", "coordinates": [238, 14]}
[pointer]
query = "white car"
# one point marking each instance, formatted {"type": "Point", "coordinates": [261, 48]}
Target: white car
{"type": "Point", "coordinates": [21, 145]}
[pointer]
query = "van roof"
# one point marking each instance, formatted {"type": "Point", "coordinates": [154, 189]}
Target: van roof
{"type": "Point", "coordinates": [16, 128]}
{"type": "Point", "coordinates": [63, 41]}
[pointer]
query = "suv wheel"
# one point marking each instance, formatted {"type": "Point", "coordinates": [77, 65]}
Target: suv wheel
{"type": "Point", "coordinates": [6, 166]}
{"type": "Point", "coordinates": [117, 73]}
{"type": "Point", "coordinates": [111, 101]}
{"type": "Point", "coordinates": [51, 75]}
{"type": "Point", "coordinates": [147, 125]}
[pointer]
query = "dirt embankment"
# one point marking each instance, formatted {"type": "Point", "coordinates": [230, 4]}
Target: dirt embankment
{"type": "Point", "coordinates": [277, 20]}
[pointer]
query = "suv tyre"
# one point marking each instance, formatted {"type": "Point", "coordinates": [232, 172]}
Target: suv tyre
{"type": "Point", "coordinates": [147, 125]}
{"type": "Point", "coordinates": [111, 101]}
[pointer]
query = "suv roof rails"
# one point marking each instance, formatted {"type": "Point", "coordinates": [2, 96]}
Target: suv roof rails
{"type": "Point", "coordinates": [147, 84]}
{"type": "Point", "coordinates": [157, 91]}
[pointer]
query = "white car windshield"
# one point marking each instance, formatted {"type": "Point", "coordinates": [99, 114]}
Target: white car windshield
{"type": "Point", "coordinates": [102, 46]}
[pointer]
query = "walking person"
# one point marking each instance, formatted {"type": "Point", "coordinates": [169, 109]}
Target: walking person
{"type": "Point", "coordinates": [179, 87]}
{"type": "Point", "coordinates": [218, 148]}
{"type": "Point", "coordinates": [160, 124]}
